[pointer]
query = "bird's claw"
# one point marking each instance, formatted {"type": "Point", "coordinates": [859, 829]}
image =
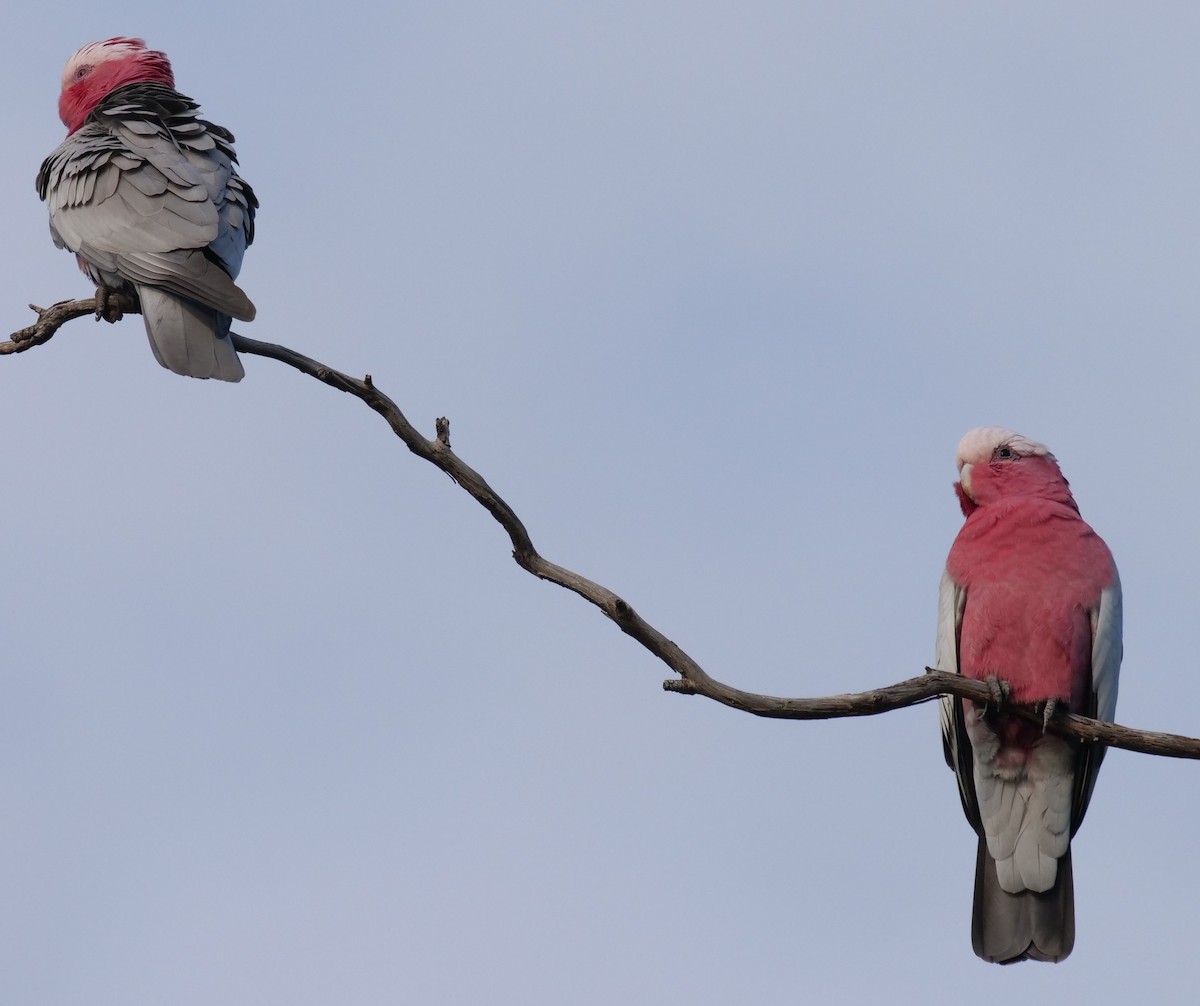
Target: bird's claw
{"type": "Point", "coordinates": [1000, 690]}
{"type": "Point", "coordinates": [108, 306]}
{"type": "Point", "coordinates": [1048, 712]}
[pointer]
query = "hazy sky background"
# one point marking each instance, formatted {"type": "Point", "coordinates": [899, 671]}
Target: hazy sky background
{"type": "Point", "coordinates": [709, 292]}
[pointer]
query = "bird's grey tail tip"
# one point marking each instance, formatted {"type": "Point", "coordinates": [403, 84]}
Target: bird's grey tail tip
{"type": "Point", "coordinates": [1030, 926]}
{"type": "Point", "coordinates": [188, 338]}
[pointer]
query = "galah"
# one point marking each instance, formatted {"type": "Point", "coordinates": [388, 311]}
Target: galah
{"type": "Point", "coordinates": [1030, 603]}
{"type": "Point", "coordinates": [146, 195]}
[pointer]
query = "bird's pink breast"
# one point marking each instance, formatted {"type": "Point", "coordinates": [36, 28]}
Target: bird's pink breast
{"type": "Point", "coordinates": [1033, 572]}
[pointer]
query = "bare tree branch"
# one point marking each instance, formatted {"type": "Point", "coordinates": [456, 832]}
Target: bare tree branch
{"type": "Point", "coordinates": [693, 680]}
{"type": "Point", "coordinates": [52, 318]}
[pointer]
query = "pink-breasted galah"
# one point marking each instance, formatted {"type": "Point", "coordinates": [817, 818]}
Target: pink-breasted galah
{"type": "Point", "coordinates": [1030, 603]}
{"type": "Point", "coordinates": [145, 193]}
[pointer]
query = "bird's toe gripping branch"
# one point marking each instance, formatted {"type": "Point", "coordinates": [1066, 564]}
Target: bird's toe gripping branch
{"type": "Point", "coordinates": [110, 304]}
{"type": "Point", "coordinates": [1000, 690]}
{"type": "Point", "coordinates": [1048, 708]}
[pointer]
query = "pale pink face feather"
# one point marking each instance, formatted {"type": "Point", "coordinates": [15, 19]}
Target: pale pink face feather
{"type": "Point", "coordinates": [100, 68]}
{"type": "Point", "coordinates": [985, 475]}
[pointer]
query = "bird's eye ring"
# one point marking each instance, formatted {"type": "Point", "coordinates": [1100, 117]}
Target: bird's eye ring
{"type": "Point", "coordinates": [81, 72]}
{"type": "Point", "coordinates": [1005, 453]}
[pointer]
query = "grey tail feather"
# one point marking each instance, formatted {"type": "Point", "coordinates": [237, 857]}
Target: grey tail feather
{"type": "Point", "coordinates": [188, 338]}
{"type": "Point", "coordinates": [1006, 928]}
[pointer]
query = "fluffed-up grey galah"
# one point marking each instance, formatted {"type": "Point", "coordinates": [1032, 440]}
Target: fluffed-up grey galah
{"type": "Point", "coordinates": [146, 195]}
{"type": "Point", "coordinates": [1031, 604]}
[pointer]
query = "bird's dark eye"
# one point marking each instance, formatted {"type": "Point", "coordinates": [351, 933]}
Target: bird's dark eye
{"type": "Point", "coordinates": [1004, 454]}
{"type": "Point", "coordinates": [81, 72]}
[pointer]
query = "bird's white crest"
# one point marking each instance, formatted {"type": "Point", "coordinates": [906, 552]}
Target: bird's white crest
{"type": "Point", "coordinates": [978, 445]}
{"type": "Point", "coordinates": [94, 53]}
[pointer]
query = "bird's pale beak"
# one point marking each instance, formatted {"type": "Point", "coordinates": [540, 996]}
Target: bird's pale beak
{"type": "Point", "coordinates": [964, 478]}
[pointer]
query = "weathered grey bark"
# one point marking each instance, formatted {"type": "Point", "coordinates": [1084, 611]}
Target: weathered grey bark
{"type": "Point", "coordinates": [692, 680]}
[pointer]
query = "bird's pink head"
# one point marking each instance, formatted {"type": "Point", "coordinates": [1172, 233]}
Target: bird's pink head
{"type": "Point", "coordinates": [995, 463]}
{"type": "Point", "coordinates": [99, 68]}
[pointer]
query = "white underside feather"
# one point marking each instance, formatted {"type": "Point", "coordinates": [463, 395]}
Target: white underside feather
{"type": "Point", "coordinates": [1025, 807]}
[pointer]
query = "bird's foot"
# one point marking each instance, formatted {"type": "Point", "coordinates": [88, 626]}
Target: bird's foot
{"type": "Point", "coordinates": [1000, 690]}
{"type": "Point", "coordinates": [1048, 712]}
{"type": "Point", "coordinates": [108, 305]}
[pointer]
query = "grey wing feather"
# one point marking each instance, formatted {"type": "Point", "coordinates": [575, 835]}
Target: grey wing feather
{"type": "Point", "coordinates": [952, 601]}
{"type": "Point", "coordinates": [190, 274]}
{"type": "Point", "coordinates": [1107, 651]}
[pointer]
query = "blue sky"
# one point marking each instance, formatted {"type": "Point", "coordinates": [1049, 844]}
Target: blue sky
{"type": "Point", "coordinates": [709, 293]}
